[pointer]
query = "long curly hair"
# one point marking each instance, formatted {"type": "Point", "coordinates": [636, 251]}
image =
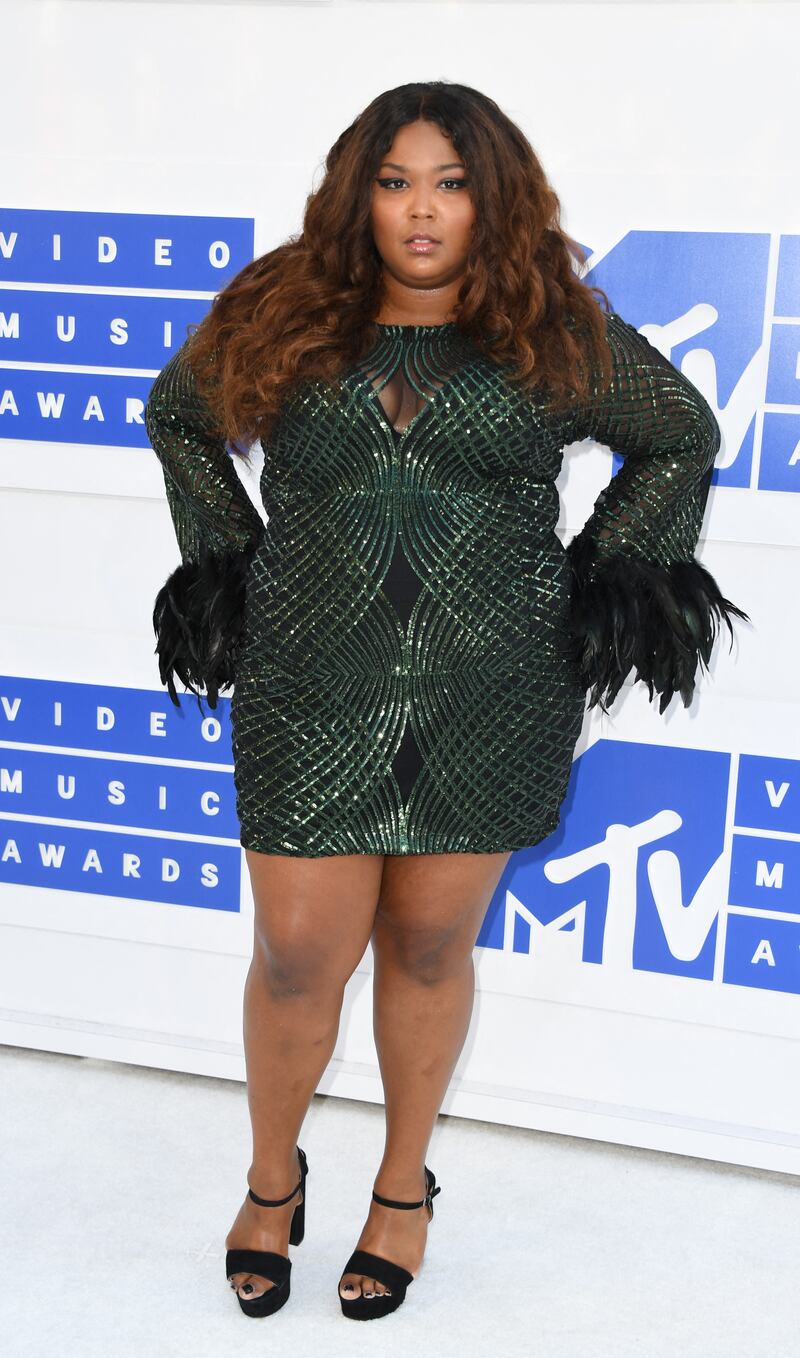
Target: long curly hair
{"type": "Point", "coordinates": [304, 310]}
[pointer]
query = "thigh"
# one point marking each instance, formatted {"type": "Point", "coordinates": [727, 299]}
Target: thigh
{"type": "Point", "coordinates": [441, 894]}
{"type": "Point", "coordinates": [314, 913]}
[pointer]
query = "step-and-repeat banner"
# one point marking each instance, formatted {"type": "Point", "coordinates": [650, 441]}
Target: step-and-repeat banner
{"type": "Point", "coordinates": [639, 970]}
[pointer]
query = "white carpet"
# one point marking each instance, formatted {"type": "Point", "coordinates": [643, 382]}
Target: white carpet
{"type": "Point", "coordinates": [119, 1184]}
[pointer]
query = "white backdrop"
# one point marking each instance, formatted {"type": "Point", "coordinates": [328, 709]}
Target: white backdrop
{"type": "Point", "coordinates": [650, 999]}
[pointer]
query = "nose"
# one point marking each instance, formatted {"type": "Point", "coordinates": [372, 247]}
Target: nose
{"type": "Point", "coordinates": [421, 220]}
{"type": "Point", "coordinates": [421, 200]}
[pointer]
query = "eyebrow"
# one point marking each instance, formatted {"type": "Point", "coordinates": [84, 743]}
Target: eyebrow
{"type": "Point", "coordinates": [452, 165]}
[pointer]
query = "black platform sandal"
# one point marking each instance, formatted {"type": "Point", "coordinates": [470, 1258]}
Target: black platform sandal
{"type": "Point", "coordinates": [267, 1264]}
{"type": "Point", "coordinates": [373, 1266]}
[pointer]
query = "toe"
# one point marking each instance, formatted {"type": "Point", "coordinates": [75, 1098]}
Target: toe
{"type": "Point", "coordinates": [251, 1281]}
{"type": "Point", "coordinates": [350, 1286]}
{"type": "Point", "coordinates": [356, 1285]}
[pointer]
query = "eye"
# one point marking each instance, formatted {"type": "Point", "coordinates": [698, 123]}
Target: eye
{"type": "Point", "coordinates": [460, 183]}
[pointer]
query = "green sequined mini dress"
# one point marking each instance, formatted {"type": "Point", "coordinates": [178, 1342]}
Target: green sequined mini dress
{"type": "Point", "coordinates": [409, 642]}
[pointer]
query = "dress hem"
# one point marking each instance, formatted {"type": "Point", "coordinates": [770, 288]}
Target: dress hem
{"type": "Point", "coordinates": [282, 852]}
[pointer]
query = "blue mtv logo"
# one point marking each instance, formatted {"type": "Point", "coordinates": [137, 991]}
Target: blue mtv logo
{"type": "Point", "coordinates": [640, 875]}
{"type": "Point", "coordinates": [636, 869]}
{"type": "Point", "coordinates": [708, 301]}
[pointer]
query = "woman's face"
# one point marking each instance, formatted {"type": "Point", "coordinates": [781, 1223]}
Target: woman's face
{"type": "Point", "coordinates": [421, 188]}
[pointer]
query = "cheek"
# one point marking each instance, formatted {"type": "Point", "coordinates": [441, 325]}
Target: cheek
{"type": "Point", "coordinates": [464, 224]}
{"type": "Point", "coordinates": [382, 219]}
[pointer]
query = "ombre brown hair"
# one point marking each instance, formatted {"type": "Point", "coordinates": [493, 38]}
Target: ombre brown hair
{"type": "Point", "coordinates": [304, 310]}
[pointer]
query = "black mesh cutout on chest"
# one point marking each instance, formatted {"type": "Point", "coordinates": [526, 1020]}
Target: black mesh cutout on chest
{"type": "Point", "coordinates": [409, 365]}
{"type": "Point", "coordinates": [400, 401]}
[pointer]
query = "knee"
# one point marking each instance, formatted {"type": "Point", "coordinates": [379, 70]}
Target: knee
{"type": "Point", "coordinates": [292, 966]}
{"type": "Point", "coordinates": [429, 954]}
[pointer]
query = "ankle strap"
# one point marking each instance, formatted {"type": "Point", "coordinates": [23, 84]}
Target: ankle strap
{"type": "Point", "coordinates": [274, 1202]}
{"type": "Point", "coordinates": [408, 1206]}
{"type": "Point", "coordinates": [280, 1202]}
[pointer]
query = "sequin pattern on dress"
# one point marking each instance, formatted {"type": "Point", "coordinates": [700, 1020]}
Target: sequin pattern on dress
{"type": "Point", "coordinates": [407, 674]}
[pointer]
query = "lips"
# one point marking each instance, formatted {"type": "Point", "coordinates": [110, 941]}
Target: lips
{"type": "Point", "coordinates": [421, 245]}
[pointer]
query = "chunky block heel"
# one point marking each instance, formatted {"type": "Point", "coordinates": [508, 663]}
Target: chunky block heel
{"type": "Point", "coordinates": [266, 1263]}
{"type": "Point", "coordinates": [392, 1275]}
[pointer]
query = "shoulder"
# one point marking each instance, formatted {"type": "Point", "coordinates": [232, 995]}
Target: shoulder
{"type": "Point", "coordinates": [175, 392]}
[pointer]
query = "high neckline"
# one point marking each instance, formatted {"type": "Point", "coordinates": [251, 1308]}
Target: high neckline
{"type": "Point", "coordinates": [396, 325]}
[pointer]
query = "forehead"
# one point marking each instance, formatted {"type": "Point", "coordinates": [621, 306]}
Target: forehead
{"type": "Point", "coordinates": [422, 146]}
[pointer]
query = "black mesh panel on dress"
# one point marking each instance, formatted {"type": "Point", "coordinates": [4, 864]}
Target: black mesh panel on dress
{"type": "Point", "coordinates": [403, 395]}
{"type": "Point", "coordinates": [402, 586]}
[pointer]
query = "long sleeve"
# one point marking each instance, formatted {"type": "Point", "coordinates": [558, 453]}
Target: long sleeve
{"type": "Point", "coordinates": [640, 598]}
{"type": "Point", "coordinates": [199, 611]}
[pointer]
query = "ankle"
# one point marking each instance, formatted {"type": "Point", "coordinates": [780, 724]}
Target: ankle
{"type": "Point", "coordinates": [401, 1183]}
{"type": "Point", "coordinates": [271, 1178]}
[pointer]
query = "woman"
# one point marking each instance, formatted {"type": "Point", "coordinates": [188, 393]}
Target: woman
{"type": "Point", "coordinates": [411, 644]}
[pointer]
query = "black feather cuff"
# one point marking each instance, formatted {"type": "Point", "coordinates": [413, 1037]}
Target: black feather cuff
{"type": "Point", "coordinates": [627, 612]}
{"type": "Point", "coordinates": [198, 618]}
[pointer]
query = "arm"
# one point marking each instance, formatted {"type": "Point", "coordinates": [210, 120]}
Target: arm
{"type": "Point", "coordinates": [640, 598]}
{"type": "Point", "coordinates": [199, 610]}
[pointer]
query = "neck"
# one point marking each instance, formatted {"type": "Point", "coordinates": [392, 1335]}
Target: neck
{"type": "Point", "coordinates": [403, 305]}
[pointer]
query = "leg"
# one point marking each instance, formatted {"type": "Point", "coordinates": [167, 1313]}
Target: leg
{"type": "Point", "coordinates": [430, 912]}
{"type": "Point", "coordinates": [312, 923]}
